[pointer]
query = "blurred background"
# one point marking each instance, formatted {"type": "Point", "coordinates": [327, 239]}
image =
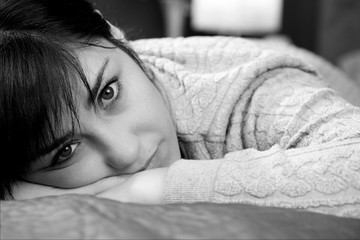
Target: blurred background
{"type": "Point", "coordinates": [329, 28]}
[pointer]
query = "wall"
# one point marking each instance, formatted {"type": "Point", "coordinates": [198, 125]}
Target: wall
{"type": "Point", "coordinates": [330, 28]}
{"type": "Point", "coordinates": [339, 28]}
{"type": "Point", "coordinates": [138, 18]}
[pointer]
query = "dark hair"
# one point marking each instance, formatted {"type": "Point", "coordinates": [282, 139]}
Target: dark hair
{"type": "Point", "coordinates": [36, 69]}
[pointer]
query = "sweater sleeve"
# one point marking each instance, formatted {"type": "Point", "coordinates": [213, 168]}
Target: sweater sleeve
{"type": "Point", "coordinates": [302, 151]}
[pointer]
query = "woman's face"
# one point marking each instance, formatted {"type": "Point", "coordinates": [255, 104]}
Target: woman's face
{"type": "Point", "coordinates": [128, 129]}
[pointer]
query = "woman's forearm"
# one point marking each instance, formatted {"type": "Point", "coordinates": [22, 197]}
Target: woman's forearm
{"type": "Point", "coordinates": [321, 178]}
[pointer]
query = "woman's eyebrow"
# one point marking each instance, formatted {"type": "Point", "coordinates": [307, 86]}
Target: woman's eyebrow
{"type": "Point", "coordinates": [99, 79]}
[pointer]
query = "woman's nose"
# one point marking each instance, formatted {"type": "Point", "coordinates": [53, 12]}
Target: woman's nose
{"type": "Point", "coordinates": [118, 145]}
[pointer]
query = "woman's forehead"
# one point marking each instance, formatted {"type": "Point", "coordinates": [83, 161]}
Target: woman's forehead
{"type": "Point", "coordinates": [92, 58]}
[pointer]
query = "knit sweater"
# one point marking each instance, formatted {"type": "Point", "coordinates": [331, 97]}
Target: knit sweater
{"type": "Point", "coordinates": [255, 126]}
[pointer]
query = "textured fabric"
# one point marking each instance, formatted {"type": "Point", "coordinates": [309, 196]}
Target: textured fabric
{"type": "Point", "coordinates": [88, 217]}
{"type": "Point", "coordinates": [333, 76]}
{"type": "Point", "coordinates": [258, 126]}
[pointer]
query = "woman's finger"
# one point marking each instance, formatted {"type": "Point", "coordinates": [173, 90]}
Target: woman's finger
{"type": "Point", "coordinates": [101, 185]}
{"type": "Point", "coordinates": [26, 190]}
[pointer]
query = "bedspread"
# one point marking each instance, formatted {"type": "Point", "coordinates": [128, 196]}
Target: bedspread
{"type": "Point", "coordinates": [87, 217]}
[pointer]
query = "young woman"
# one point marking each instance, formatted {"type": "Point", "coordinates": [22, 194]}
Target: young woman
{"type": "Point", "coordinates": [81, 113]}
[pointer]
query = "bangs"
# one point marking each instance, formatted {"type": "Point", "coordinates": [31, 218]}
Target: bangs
{"type": "Point", "coordinates": [37, 89]}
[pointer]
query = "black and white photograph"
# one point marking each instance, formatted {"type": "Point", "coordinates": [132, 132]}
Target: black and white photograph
{"type": "Point", "coordinates": [180, 119]}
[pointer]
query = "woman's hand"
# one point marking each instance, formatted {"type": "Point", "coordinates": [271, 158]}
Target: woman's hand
{"type": "Point", "coordinates": [143, 187]}
{"type": "Point", "coordinates": [27, 190]}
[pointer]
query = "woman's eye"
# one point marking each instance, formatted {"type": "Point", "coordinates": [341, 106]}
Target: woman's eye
{"type": "Point", "coordinates": [67, 151]}
{"type": "Point", "coordinates": [109, 93]}
{"type": "Point", "coordinates": [64, 157]}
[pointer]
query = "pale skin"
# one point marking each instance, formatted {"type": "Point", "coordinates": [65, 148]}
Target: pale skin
{"type": "Point", "coordinates": [127, 131]}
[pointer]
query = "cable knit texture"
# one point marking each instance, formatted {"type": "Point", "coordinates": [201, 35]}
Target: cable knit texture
{"type": "Point", "coordinates": [256, 126]}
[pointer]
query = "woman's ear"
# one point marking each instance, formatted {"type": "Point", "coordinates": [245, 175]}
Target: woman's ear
{"type": "Point", "coordinates": [115, 32]}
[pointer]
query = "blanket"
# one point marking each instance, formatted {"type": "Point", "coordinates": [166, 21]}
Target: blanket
{"type": "Point", "coordinates": [87, 217]}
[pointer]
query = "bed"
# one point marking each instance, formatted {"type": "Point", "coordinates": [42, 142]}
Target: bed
{"type": "Point", "coordinates": [88, 217]}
